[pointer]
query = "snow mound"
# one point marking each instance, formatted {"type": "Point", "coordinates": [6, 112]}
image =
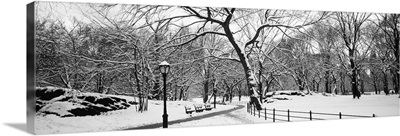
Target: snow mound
{"type": "Point", "coordinates": [70, 103]}
{"type": "Point", "coordinates": [272, 97]}
{"type": "Point", "coordinates": [289, 92]}
{"type": "Point", "coordinates": [281, 97]}
{"type": "Point", "coordinates": [328, 94]}
{"type": "Point", "coordinates": [285, 92]}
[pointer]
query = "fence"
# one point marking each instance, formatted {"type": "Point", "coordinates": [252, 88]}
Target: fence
{"type": "Point", "coordinates": [287, 115]}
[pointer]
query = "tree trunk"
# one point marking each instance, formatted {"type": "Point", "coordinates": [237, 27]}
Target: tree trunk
{"type": "Point", "coordinates": [176, 92]}
{"type": "Point", "coordinates": [249, 74]}
{"type": "Point", "coordinates": [342, 83]}
{"type": "Point", "coordinates": [223, 97]}
{"type": "Point", "coordinates": [181, 94]}
{"type": "Point", "coordinates": [260, 81]}
{"type": "Point", "coordinates": [374, 82]}
{"type": "Point", "coordinates": [385, 83]}
{"type": "Point", "coordinates": [156, 89]}
{"type": "Point", "coordinates": [397, 72]}
{"type": "Point", "coordinates": [395, 81]}
{"type": "Point", "coordinates": [100, 86]}
{"type": "Point", "coordinates": [141, 100]}
{"type": "Point", "coordinates": [205, 98]}
{"type": "Point", "coordinates": [361, 86]}
{"type": "Point", "coordinates": [65, 82]}
{"type": "Point", "coordinates": [327, 83]}
{"type": "Point", "coordinates": [300, 84]}
{"type": "Point", "coordinates": [267, 86]}
{"type": "Point", "coordinates": [397, 55]}
{"type": "Point", "coordinates": [354, 83]}
{"type": "Point", "coordinates": [230, 95]}
{"type": "Point", "coordinates": [239, 92]}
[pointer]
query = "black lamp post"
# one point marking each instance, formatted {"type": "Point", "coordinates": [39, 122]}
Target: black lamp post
{"type": "Point", "coordinates": [164, 68]}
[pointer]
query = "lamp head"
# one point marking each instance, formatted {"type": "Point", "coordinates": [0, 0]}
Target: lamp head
{"type": "Point", "coordinates": [164, 67]}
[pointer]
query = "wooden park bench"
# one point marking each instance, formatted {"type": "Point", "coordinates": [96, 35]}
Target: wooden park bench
{"type": "Point", "coordinates": [188, 110]}
{"type": "Point", "coordinates": [207, 106]}
{"type": "Point", "coordinates": [198, 107]}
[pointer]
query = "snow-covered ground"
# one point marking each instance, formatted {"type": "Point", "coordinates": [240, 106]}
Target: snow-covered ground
{"type": "Point", "coordinates": [118, 120]}
{"type": "Point", "coordinates": [380, 105]}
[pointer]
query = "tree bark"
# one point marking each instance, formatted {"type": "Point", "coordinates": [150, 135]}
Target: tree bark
{"type": "Point", "coordinates": [181, 94]}
{"type": "Point", "coordinates": [249, 74]}
{"type": "Point", "coordinates": [354, 83]}
{"type": "Point", "coordinates": [176, 92]}
{"type": "Point", "coordinates": [141, 99]}
{"type": "Point", "coordinates": [239, 92]}
{"type": "Point", "coordinates": [395, 81]}
{"type": "Point", "coordinates": [385, 83]}
{"type": "Point", "coordinates": [327, 83]}
{"type": "Point", "coordinates": [205, 98]}
{"type": "Point", "coordinates": [99, 84]}
{"type": "Point", "coordinates": [375, 84]}
{"type": "Point", "coordinates": [206, 82]}
{"type": "Point", "coordinates": [342, 83]}
{"type": "Point", "coordinates": [300, 84]}
{"type": "Point", "coordinates": [362, 86]}
{"type": "Point", "coordinates": [260, 89]}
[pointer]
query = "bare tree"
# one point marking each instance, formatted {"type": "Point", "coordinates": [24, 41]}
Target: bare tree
{"type": "Point", "coordinates": [390, 27]}
{"type": "Point", "coordinates": [224, 20]}
{"type": "Point", "coordinates": [350, 27]}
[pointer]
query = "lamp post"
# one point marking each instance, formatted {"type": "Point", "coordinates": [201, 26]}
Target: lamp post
{"type": "Point", "coordinates": [164, 68]}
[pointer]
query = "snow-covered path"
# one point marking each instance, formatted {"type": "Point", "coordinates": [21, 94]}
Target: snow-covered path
{"type": "Point", "coordinates": [121, 119]}
{"type": "Point", "coordinates": [229, 116]}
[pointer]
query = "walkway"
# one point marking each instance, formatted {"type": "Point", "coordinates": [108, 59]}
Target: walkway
{"type": "Point", "coordinates": [230, 113]}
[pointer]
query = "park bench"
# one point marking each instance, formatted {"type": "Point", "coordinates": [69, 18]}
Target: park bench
{"type": "Point", "coordinates": [207, 107]}
{"type": "Point", "coordinates": [198, 107]}
{"type": "Point", "coordinates": [188, 110]}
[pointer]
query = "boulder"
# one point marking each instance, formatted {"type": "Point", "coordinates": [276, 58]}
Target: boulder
{"type": "Point", "coordinates": [70, 103]}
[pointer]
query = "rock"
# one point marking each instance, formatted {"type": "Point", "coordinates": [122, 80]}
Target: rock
{"type": "Point", "coordinates": [71, 103]}
{"type": "Point", "coordinates": [48, 93]}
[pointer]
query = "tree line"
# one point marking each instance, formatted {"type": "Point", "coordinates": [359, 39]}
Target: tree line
{"type": "Point", "coordinates": [116, 49]}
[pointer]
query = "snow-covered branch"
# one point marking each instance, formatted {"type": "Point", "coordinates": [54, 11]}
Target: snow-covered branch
{"type": "Point", "coordinates": [196, 35]}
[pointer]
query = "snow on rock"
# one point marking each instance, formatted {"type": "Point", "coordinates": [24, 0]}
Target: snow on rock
{"type": "Point", "coordinates": [68, 103]}
{"type": "Point", "coordinates": [59, 109]}
{"type": "Point", "coordinates": [269, 100]}
{"type": "Point", "coordinates": [328, 94]}
{"type": "Point", "coordinates": [282, 95]}
{"type": "Point", "coordinates": [289, 92]}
